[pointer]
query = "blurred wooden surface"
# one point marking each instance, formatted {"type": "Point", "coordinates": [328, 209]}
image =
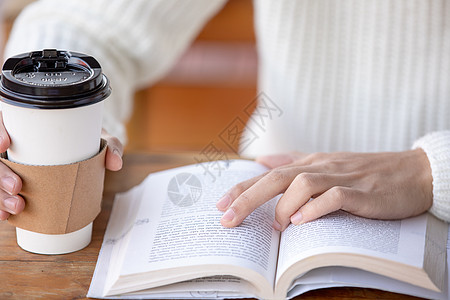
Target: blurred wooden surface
{"type": "Point", "coordinates": [207, 88]}
{"type": "Point", "coordinates": [26, 275]}
{"type": "Point", "coordinates": [185, 118]}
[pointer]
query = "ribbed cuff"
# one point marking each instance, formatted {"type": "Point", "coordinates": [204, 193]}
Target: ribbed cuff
{"type": "Point", "coordinates": [437, 147]}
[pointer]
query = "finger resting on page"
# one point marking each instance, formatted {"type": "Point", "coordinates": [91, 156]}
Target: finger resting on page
{"type": "Point", "coordinates": [267, 187]}
{"type": "Point", "coordinates": [330, 201]}
{"type": "Point", "coordinates": [226, 200]}
{"type": "Point", "coordinates": [302, 189]}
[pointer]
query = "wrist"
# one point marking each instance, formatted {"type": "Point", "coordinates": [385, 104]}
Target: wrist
{"type": "Point", "coordinates": [436, 145]}
{"type": "Point", "coordinates": [424, 176]}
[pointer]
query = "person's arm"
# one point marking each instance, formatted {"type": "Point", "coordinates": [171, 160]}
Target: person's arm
{"type": "Point", "coordinates": [136, 42]}
{"type": "Point", "coordinates": [389, 185]}
{"type": "Point", "coordinates": [437, 147]}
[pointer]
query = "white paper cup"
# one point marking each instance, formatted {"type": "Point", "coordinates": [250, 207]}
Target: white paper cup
{"type": "Point", "coordinates": [41, 133]}
{"type": "Point", "coordinates": [58, 136]}
{"type": "Point", "coordinates": [41, 243]}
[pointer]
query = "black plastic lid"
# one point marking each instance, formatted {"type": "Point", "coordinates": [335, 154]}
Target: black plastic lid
{"type": "Point", "coordinates": [53, 79]}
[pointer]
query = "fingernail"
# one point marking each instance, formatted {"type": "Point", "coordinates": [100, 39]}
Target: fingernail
{"type": "Point", "coordinates": [223, 202]}
{"type": "Point", "coordinates": [8, 183]}
{"type": "Point", "coordinates": [11, 204]}
{"type": "Point", "coordinates": [229, 215]}
{"type": "Point", "coordinates": [4, 215]}
{"type": "Point", "coordinates": [276, 225]}
{"type": "Point", "coordinates": [296, 218]}
{"type": "Point", "coordinates": [4, 141]}
{"type": "Point", "coordinates": [116, 152]}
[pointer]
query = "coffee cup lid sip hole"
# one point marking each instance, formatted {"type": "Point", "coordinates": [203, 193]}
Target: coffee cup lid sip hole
{"type": "Point", "coordinates": [53, 79]}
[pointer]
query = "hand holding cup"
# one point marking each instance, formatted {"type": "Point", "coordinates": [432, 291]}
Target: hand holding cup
{"type": "Point", "coordinates": [52, 106]}
{"type": "Point", "coordinates": [10, 184]}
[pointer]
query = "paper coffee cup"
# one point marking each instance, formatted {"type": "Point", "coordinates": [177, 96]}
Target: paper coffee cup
{"type": "Point", "coordinates": [52, 105]}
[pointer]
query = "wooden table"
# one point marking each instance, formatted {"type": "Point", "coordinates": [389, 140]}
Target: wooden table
{"type": "Point", "coordinates": [25, 275]}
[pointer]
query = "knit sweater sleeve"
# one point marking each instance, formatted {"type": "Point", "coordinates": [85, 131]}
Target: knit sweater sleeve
{"type": "Point", "coordinates": [437, 147]}
{"type": "Point", "coordinates": [136, 42]}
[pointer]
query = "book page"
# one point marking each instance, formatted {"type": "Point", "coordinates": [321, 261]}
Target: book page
{"type": "Point", "coordinates": [206, 287]}
{"type": "Point", "coordinates": [341, 232]}
{"type": "Point", "coordinates": [344, 276]}
{"type": "Point", "coordinates": [179, 225]}
{"type": "Point", "coordinates": [122, 220]}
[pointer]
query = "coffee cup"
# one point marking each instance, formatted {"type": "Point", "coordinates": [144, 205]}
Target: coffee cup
{"type": "Point", "coordinates": [52, 105]}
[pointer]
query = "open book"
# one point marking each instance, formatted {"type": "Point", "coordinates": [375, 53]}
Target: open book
{"type": "Point", "coordinates": [164, 240]}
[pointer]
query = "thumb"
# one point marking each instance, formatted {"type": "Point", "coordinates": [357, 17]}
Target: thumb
{"type": "Point", "coordinates": [114, 152]}
{"type": "Point", "coordinates": [4, 137]}
{"type": "Point", "coordinates": [273, 161]}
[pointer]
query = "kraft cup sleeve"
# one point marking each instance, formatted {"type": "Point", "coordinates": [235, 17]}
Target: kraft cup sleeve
{"type": "Point", "coordinates": [60, 198]}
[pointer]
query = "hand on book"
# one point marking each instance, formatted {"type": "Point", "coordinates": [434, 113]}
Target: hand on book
{"type": "Point", "coordinates": [391, 185]}
{"type": "Point", "coordinates": [11, 184]}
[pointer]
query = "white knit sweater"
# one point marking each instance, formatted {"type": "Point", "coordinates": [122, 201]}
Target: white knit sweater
{"type": "Point", "coordinates": [337, 75]}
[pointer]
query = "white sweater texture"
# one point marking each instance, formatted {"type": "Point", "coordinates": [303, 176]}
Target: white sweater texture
{"type": "Point", "coordinates": [346, 75]}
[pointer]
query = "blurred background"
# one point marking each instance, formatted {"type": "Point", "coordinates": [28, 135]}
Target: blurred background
{"type": "Point", "coordinates": [210, 86]}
